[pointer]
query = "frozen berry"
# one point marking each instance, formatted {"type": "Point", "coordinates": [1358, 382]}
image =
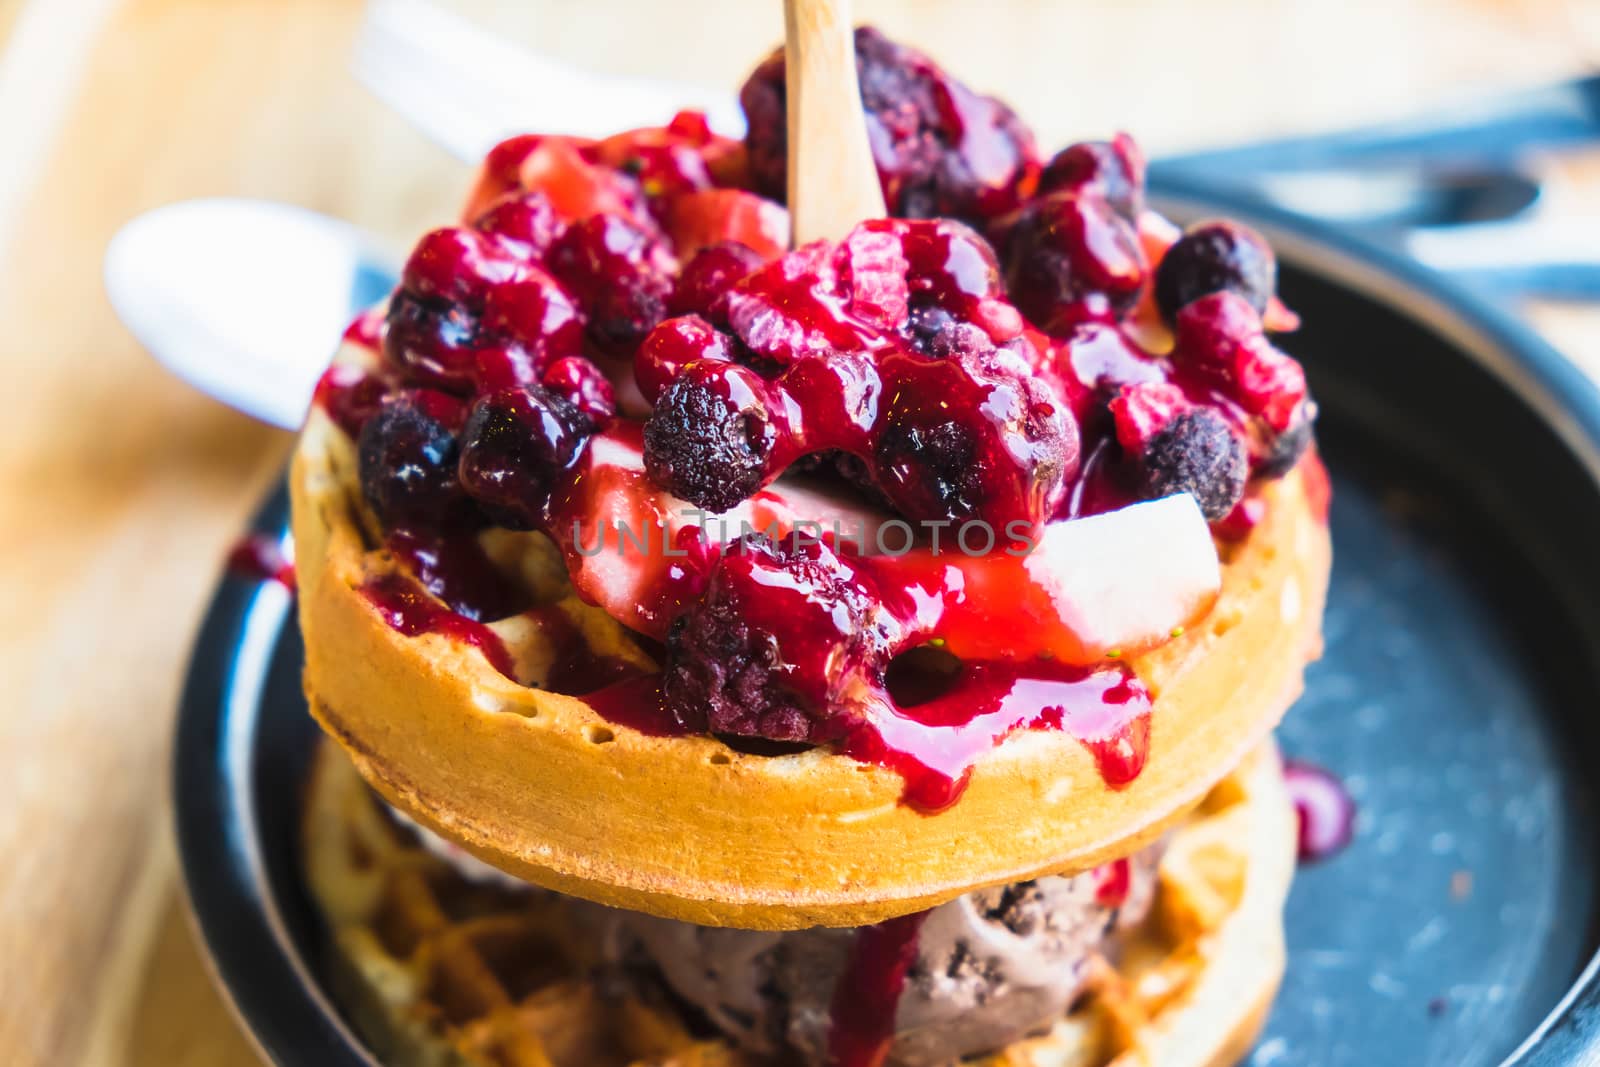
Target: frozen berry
{"type": "Point", "coordinates": [941, 149]}
{"type": "Point", "coordinates": [1113, 168]}
{"type": "Point", "coordinates": [526, 218]}
{"type": "Point", "coordinates": [1287, 447]}
{"type": "Point", "coordinates": [1197, 453]}
{"type": "Point", "coordinates": [672, 346]}
{"type": "Point", "coordinates": [621, 275]}
{"type": "Point", "coordinates": [514, 447]}
{"type": "Point", "coordinates": [777, 628]}
{"type": "Point", "coordinates": [1220, 342]}
{"type": "Point", "coordinates": [583, 385]}
{"type": "Point", "coordinates": [431, 340]}
{"type": "Point", "coordinates": [1070, 258]}
{"type": "Point", "coordinates": [934, 468]}
{"type": "Point", "coordinates": [407, 456]}
{"type": "Point", "coordinates": [703, 286]}
{"type": "Point", "coordinates": [1212, 257]}
{"type": "Point", "coordinates": [709, 438]}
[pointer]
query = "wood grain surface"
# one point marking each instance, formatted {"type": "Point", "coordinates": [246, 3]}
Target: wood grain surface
{"type": "Point", "coordinates": [122, 488]}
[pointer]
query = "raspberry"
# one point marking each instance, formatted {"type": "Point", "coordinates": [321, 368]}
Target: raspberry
{"type": "Point", "coordinates": [1200, 454]}
{"type": "Point", "coordinates": [514, 447]}
{"type": "Point", "coordinates": [763, 650]}
{"type": "Point", "coordinates": [621, 275]}
{"type": "Point", "coordinates": [407, 458]}
{"type": "Point", "coordinates": [1213, 257]}
{"type": "Point", "coordinates": [1142, 410]}
{"type": "Point", "coordinates": [1114, 169]}
{"type": "Point", "coordinates": [1220, 341]}
{"type": "Point", "coordinates": [941, 149]}
{"type": "Point", "coordinates": [1070, 258]}
{"type": "Point", "coordinates": [702, 288]}
{"type": "Point", "coordinates": [710, 437]}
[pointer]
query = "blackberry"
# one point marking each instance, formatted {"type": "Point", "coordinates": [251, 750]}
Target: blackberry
{"type": "Point", "coordinates": [515, 446]}
{"type": "Point", "coordinates": [407, 459]}
{"type": "Point", "coordinates": [709, 438]}
{"type": "Point", "coordinates": [941, 149]}
{"type": "Point", "coordinates": [761, 652]}
{"type": "Point", "coordinates": [1196, 453]}
{"type": "Point", "coordinates": [1210, 258]}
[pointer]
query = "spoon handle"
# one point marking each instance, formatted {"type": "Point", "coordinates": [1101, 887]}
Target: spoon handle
{"type": "Point", "coordinates": [833, 182]}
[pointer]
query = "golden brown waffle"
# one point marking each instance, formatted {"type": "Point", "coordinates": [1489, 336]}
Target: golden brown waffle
{"type": "Point", "coordinates": [438, 971]}
{"type": "Point", "coordinates": [539, 784]}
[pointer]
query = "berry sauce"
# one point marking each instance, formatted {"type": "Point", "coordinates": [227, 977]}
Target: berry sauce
{"type": "Point", "coordinates": [257, 557]}
{"type": "Point", "coordinates": [577, 669]}
{"type": "Point", "coordinates": [1326, 812]}
{"type": "Point", "coordinates": [868, 992]}
{"type": "Point", "coordinates": [1112, 882]}
{"type": "Point", "coordinates": [453, 567]}
{"type": "Point", "coordinates": [934, 745]}
{"type": "Point", "coordinates": [408, 609]}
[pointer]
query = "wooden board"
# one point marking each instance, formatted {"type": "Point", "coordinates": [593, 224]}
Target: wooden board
{"type": "Point", "coordinates": [122, 488]}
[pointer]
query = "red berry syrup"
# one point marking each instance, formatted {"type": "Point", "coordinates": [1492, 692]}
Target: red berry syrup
{"type": "Point", "coordinates": [868, 993]}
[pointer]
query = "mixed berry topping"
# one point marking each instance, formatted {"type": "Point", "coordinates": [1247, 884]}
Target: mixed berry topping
{"type": "Point", "coordinates": [895, 347]}
{"type": "Point", "coordinates": [618, 349]}
{"type": "Point", "coordinates": [941, 149]}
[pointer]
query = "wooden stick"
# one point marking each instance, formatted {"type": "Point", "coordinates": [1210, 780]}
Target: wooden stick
{"type": "Point", "coordinates": [833, 182]}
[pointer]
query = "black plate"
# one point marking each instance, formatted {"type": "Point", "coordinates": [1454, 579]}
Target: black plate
{"type": "Point", "coordinates": [1457, 699]}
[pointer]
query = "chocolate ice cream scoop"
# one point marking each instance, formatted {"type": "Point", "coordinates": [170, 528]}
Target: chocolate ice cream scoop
{"type": "Point", "coordinates": [988, 968]}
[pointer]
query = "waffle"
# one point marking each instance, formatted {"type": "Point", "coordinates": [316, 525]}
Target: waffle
{"type": "Point", "coordinates": [436, 970]}
{"type": "Point", "coordinates": [540, 785]}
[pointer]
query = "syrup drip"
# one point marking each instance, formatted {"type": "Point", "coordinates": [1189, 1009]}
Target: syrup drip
{"type": "Point", "coordinates": [868, 992]}
{"type": "Point", "coordinates": [577, 669]}
{"type": "Point", "coordinates": [257, 557]}
{"type": "Point", "coordinates": [454, 568]}
{"type": "Point", "coordinates": [408, 609]}
{"type": "Point", "coordinates": [933, 745]}
{"type": "Point", "coordinates": [1319, 490]}
{"type": "Point", "coordinates": [1326, 812]}
{"type": "Point", "coordinates": [1112, 881]}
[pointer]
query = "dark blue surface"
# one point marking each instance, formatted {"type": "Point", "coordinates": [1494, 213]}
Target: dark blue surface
{"type": "Point", "coordinates": [1458, 698]}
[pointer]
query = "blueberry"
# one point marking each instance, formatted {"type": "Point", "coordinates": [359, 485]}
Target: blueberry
{"type": "Point", "coordinates": [1114, 168]}
{"type": "Point", "coordinates": [1287, 447]}
{"type": "Point", "coordinates": [515, 446]}
{"type": "Point", "coordinates": [407, 460]}
{"type": "Point", "coordinates": [709, 438]}
{"type": "Point", "coordinates": [1196, 453]}
{"type": "Point", "coordinates": [1210, 258]}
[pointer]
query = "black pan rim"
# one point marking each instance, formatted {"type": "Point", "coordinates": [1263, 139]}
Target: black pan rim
{"type": "Point", "coordinates": [270, 986]}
